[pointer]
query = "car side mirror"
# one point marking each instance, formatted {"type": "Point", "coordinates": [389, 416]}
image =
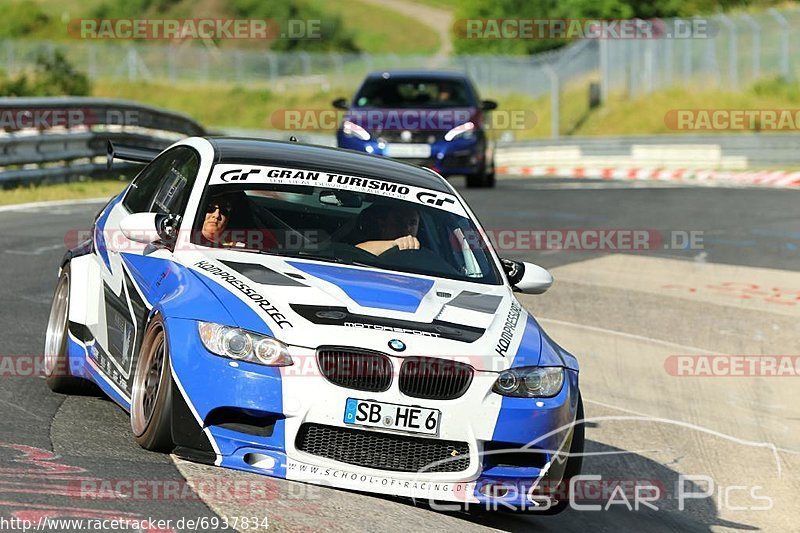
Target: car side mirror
{"type": "Point", "coordinates": [149, 228]}
{"type": "Point", "coordinates": [340, 103]}
{"type": "Point", "coordinates": [527, 277]}
{"type": "Point", "coordinates": [488, 105]}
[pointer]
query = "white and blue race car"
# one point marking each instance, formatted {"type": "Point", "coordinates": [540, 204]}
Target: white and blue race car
{"type": "Point", "coordinates": [318, 315]}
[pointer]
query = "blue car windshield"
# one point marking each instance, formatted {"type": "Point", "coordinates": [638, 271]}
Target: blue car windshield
{"type": "Point", "coordinates": [346, 227]}
{"type": "Point", "coordinates": [417, 93]}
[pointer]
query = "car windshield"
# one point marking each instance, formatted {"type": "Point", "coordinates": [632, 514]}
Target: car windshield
{"type": "Point", "coordinates": [347, 227]}
{"type": "Point", "coordinates": [414, 93]}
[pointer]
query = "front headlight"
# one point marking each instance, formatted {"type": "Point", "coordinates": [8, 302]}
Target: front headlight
{"type": "Point", "coordinates": [466, 130]}
{"type": "Point", "coordinates": [530, 382]}
{"type": "Point", "coordinates": [351, 129]}
{"type": "Point", "coordinates": [243, 345]}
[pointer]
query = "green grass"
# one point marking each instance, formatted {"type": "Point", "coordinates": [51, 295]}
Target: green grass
{"type": "Point", "coordinates": [441, 4]}
{"type": "Point", "coordinates": [380, 30]}
{"type": "Point", "coordinates": [375, 29]}
{"type": "Point", "coordinates": [61, 191]}
{"type": "Point", "coordinates": [253, 106]}
{"type": "Point", "coordinates": [645, 115]}
{"type": "Point", "coordinates": [223, 105]}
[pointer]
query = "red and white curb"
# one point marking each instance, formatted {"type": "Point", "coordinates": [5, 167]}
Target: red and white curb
{"type": "Point", "coordinates": [765, 178]}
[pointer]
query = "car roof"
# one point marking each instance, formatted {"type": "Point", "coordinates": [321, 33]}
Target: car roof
{"type": "Point", "coordinates": [239, 150]}
{"type": "Point", "coordinates": [429, 74]}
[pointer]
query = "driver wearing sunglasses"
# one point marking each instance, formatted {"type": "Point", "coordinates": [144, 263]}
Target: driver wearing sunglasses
{"type": "Point", "coordinates": [217, 216]}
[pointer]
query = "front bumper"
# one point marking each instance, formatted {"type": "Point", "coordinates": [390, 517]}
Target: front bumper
{"type": "Point", "coordinates": [254, 414]}
{"type": "Point", "coordinates": [456, 157]}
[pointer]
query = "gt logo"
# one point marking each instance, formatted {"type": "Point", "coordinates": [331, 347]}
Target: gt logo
{"type": "Point", "coordinates": [238, 174]}
{"type": "Point", "coordinates": [432, 199]}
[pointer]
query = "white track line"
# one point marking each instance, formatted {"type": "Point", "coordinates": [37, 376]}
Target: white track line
{"type": "Point", "coordinates": [628, 335]}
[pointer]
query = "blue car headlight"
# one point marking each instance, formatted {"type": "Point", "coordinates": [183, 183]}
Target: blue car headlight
{"type": "Point", "coordinates": [465, 131]}
{"type": "Point", "coordinates": [243, 345]}
{"type": "Point", "coordinates": [530, 382]}
{"type": "Point", "coordinates": [351, 129]}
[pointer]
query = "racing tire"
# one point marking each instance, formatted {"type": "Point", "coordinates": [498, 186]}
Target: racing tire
{"type": "Point", "coordinates": [56, 353]}
{"type": "Point", "coordinates": [151, 397]}
{"type": "Point", "coordinates": [483, 180]}
{"type": "Point", "coordinates": [574, 463]}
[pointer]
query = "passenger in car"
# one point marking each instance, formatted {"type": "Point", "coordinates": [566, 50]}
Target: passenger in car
{"type": "Point", "coordinates": [392, 227]}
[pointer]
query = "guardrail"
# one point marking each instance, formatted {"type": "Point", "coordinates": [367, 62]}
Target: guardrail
{"type": "Point", "coordinates": [736, 151]}
{"type": "Point", "coordinates": [53, 139]}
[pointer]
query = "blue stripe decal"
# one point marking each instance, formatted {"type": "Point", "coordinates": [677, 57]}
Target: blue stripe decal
{"type": "Point", "coordinates": [380, 290]}
{"type": "Point", "coordinates": [99, 233]}
{"type": "Point", "coordinates": [530, 347]}
{"type": "Point", "coordinates": [180, 293]}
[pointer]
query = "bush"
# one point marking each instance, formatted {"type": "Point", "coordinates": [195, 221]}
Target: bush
{"type": "Point", "coordinates": [52, 75]}
{"type": "Point", "coordinates": [21, 19]}
{"type": "Point", "coordinates": [333, 35]}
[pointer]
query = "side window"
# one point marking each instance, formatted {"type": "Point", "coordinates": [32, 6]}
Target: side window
{"type": "Point", "coordinates": [164, 185]}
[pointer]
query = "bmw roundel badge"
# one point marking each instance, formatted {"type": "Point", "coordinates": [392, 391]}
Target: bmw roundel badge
{"type": "Point", "coordinates": [397, 345]}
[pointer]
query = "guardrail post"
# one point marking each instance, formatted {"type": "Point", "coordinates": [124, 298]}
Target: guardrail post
{"type": "Point", "coordinates": [687, 61]}
{"type": "Point", "coordinates": [273, 66]}
{"type": "Point", "coordinates": [605, 75]}
{"type": "Point", "coordinates": [755, 30]}
{"type": "Point", "coordinates": [305, 59]}
{"type": "Point", "coordinates": [649, 66]}
{"type": "Point", "coordinates": [131, 63]}
{"type": "Point", "coordinates": [171, 63]}
{"type": "Point", "coordinates": [669, 61]}
{"type": "Point", "coordinates": [554, 100]}
{"type": "Point", "coordinates": [784, 24]}
{"type": "Point", "coordinates": [733, 58]}
{"type": "Point", "coordinates": [91, 60]}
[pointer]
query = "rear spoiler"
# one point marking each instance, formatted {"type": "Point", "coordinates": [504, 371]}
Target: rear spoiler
{"type": "Point", "coordinates": [134, 154]}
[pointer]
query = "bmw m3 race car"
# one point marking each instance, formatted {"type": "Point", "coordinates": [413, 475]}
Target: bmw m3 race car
{"type": "Point", "coordinates": [318, 315]}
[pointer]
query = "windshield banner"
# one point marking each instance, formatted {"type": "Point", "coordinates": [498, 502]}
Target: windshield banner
{"type": "Point", "coordinates": [256, 175]}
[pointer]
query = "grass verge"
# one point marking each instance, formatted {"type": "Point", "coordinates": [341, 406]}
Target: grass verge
{"type": "Point", "coordinates": [63, 191]}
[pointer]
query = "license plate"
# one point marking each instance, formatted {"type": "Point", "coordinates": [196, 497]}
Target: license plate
{"type": "Point", "coordinates": [392, 416]}
{"type": "Point", "coordinates": [408, 150]}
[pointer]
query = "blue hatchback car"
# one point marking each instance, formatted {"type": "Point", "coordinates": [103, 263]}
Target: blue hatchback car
{"type": "Point", "coordinates": [432, 119]}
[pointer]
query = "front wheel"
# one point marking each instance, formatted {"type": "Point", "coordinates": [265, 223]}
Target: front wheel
{"type": "Point", "coordinates": [151, 400]}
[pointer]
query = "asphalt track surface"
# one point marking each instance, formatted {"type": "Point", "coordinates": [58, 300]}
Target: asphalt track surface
{"type": "Point", "coordinates": [622, 313]}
